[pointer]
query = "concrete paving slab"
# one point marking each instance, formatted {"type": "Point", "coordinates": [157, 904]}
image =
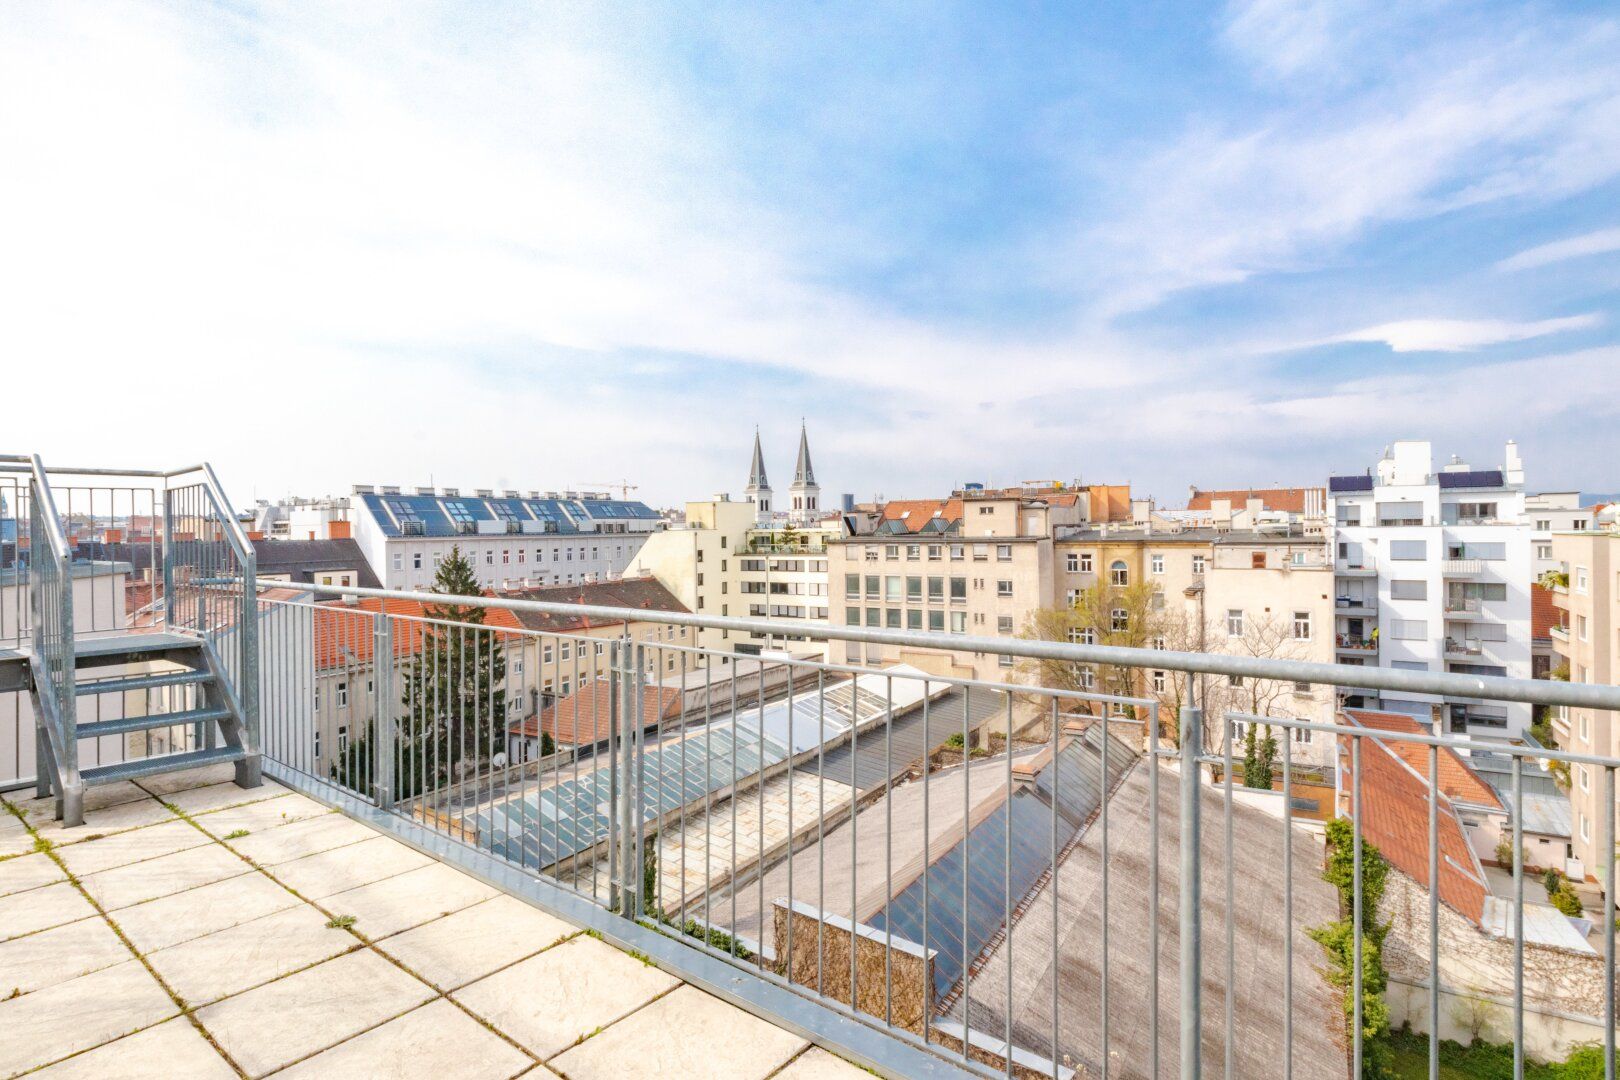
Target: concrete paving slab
{"type": "Point", "coordinates": [41, 909]}
{"type": "Point", "coordinates": [817, 1064]}
{"type": "Point", "coordinates": [170, 1049]}
{"type": "Point", "coordinates": [261, 816]}
{"type": "Point", "coordinates": [57, 955]}
{"type": "Point", "coordinates": [203, 800]}
{"type": "Point", "coordinates": [317, 876]}
{"type": "Point", "coordinates": [98, 823]}
{"type": "Point", "coordinates": [207, 909]}
{"type": "Point", "coordinates": [283, 843]}
{"type": "Point", "coordinates": [52, 1023]}
{"type": "Point", "coordinates": [28, 872]}
{"type": "Point", "coordinates": [137, 845]}
{"type": "Point", "coordinates": [249, 954]}
{"type": "Point", "coordinates": [436, 1040]}
{"type": "Point", "coordinates": [475, 941]}
{"type": "Point", "coordinates": [303, 1014]}
{"type": "Point", "coordinates": [686, 1034]}
{"type": "Point", "coordinates": [126, 885]}
{"type": "Point", "coordinates": [552, 1000]}
{"type": "Point", "coordinates": [417, 896]}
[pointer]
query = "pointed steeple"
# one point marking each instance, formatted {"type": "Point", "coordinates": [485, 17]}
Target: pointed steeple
{"type": "Point", "coordinates": [805, 491]}
{"type": "Point", "coordinates": [758, 490]}
{"type": "Point", "coordinates": [803, 474]}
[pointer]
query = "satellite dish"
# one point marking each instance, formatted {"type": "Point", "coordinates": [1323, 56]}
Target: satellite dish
{"type": "Point", "coordinates": [499, 760]}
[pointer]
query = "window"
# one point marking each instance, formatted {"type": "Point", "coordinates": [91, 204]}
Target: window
{"type": "Point", "coordinates": [1577, 526]}
{"type": "Point", "coordinates": [343, 695]}
{"type": "Point", "coordinates": [1302, 626]}
{"type": "Point", "coordinates": [1158, 682]}
{"type": "Point", "coordinates": [936, 620]}
{"type": "Point", "coordinates": [1004, 660]}
{"type": "Point", "coordinates": [983, 510]}
{"type": "Point", "coordinates": [1158, 642]}
{"type": "Point", "coordinates": [1408, 550]}
{"type": "Point", "coordinates": [1543, 525]}
{"type": "Point", "coordinates": [1234, 622]}
{"type": "Point", "coordinates": [1234, 680]}
{"type": "Point", "coordinates": [1158, 601]}
{"type": "Point", "coordinates": [1583, 580]}
{"type": "Point", "coordinates": [1198, 566]}
{"type": "Point", "coordinates": [873, 589]}
{"type": "Point", "coordinates": [1004, 624]}
{"type": "Point", "coordinates": [1410, 665]}
{"type": "Point", "coordinates": [416, 560]}
{"type": "Point", "coordinates": [914, 619]}
{"type": "Point", "coordinates": [1257, 560]}
{"type": "Point", "coordinates": [1409, 629]}
{"type": "Point", "coordinates": [1071, 562]}
{"type": "Point", "coordinates": [958, 622]}
{"type": "Point", "coordinates": [1085, 562]}
{"type": "Point", "coordinates": [892, 551]}
{"type": "Point", "coordinates": [936, 590]}
{"type": "Point", "coordinates": [1088, 678]}
{"type": "Point", "coordinates": [1004, 552]}
{"type": "Point", "coordinates": [1119, 620]}
{"type": "Point", "coordinates": [852, 586]}
{"type": "Point", "coordinates": [934, 552]}
{"type": "Point", "coordinates": [1004, 588]}
{"type": "Point", "coordinates": [891, 588]}
{"type": "Point", "coordinates": [852, 616]}
{"type": "Point", "coordinates": [399, 560]}
{"type": "Point", "coordinates": [1408, 590]}
{"type": "Point", "coordinates": [1156, 563]}
{"type": "Point", "coordinates": [874, 616]}
{"type": "Point", "coordinates": [343, 738]}
{"type": "Point", "coordinates": [981, 552]}
{"type": "Point", "coordinates": [1544, 551]}
{"type": "Point", "coordinates": [1580, 627]}
{"type": "Point", "coordinates": [958, 590]}
{"type": "Point", "coordinates": [891, 618]}
{"type": "Point", "coordinates": [1118, 573]}
{"type": "Point", "coordinates": [956, 552]}
{"type": "Point", "coordinates": [1088, 636]}
{"type": "Point", "coordinates": [913, 552]}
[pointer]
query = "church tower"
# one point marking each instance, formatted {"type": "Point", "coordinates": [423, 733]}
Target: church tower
{"type": "Point", "coordinates": [805, 491]}
{"type": "Point", "coordinates": [758, 490]}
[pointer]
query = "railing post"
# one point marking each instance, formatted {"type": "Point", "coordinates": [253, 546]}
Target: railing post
{"type": "Point", "coordinates": [1191, 967]}
{"type": "Point", "coordinates": [169, 601]}
{"type": "Point", "coordinates": [385, 759]}
{"type": "Point", "coordinates": [615, 779]}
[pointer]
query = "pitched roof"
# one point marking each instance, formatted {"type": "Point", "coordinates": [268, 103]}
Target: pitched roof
{"type": "Point", "coordinates": [342, 633]}
{"type": "Point", "coordinates": [1395, 818]}
{"type": "Point", "coordinates": [1290, 500]}
{"type": "Point", "coordinates": [913, 514]}
{"type": "Point", "coordinates": [756, 468]}
{"type": "Point", "coordinates": [1457, 780]}
{"type": "Point", "coordinates": [644, 593]}
{"type": "Point", "coordinates": [1543, 615]}
{"type": "Point", "coordinates": [584, 717]}
{"type": "Point", "coordinates": [803, 472]}
{"type": "Point", "coordinates": [301, 560]}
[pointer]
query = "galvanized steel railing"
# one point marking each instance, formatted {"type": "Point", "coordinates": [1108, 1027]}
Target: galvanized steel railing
{"type": "Point", "coordinates": [1008, 875]}
{"type": "Point", "coordinates": [50, 595]}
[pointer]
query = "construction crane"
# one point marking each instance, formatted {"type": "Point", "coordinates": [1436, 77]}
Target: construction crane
{"type": "Point", "coordinates": [625, 487]}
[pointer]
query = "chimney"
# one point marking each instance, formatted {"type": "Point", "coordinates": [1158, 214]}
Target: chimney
{"type": "Point", "coordinates": [253, 534]}
{"type": "Point", "coordinates": [339, 530]}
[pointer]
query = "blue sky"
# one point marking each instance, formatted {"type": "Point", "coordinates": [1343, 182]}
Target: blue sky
{"type": "Point", "coordinates": [544, 245]}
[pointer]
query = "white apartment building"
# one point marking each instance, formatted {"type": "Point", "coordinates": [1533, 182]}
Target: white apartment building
{"type": "Point", "coordinates": [298, 518]}
{"type": "Point", "coordinates": [1553, 512]}
{"type": "Point", "coordinates": [1432, 572]}
{"type": "Point", "coordinates": [512, 538]}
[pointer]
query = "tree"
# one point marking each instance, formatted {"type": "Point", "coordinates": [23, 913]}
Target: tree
{"type": "Point", "coordinates": [1337, 939]}
{"type": "Point", "coordinates": [454, 701]}
{"type": "Point", "coordinates": [1131, 616]}
{"type": "Point", "coordinates": [1259, 757]}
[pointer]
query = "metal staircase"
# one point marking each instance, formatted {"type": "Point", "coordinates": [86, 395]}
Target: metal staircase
{"type": "Point", "coordinates": [186, 679]}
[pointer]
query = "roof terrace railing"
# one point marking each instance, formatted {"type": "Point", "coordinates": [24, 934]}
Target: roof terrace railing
{"type": "Point", "coordinates": [989, 873]}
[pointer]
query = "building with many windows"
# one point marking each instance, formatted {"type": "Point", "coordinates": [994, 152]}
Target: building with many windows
{"type": "Point", "coordinates": [511, 538]}
{"type": "Point", "coordinates": [1587, 639]}
{"type": "Point", "coordinates": [1432, 573]}
{"type": "Point", "coordinates": [1553, 512]}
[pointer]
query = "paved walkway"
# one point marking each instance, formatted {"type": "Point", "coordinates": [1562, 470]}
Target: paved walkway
{"type": "Point", "coordinates": [191, 928]}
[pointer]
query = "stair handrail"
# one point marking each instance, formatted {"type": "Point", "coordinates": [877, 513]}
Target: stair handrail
{"type": "Point", "coordinates": [247, 621]}
{"type": "Point", "coordinates": [50, 598]}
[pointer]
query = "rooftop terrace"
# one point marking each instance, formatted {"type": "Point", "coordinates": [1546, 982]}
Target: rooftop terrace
{"type": "Point", "coordinates": [195, 928]}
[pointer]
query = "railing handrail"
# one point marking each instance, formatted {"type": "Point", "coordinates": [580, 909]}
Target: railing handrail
{"type": "Point", "coordinates": [48, 515]}
{"type": "Point", "coordinates": [1542, 691]}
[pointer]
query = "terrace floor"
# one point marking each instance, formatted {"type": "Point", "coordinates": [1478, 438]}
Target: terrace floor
{"type": "Point", "coordinates": [194, 928]}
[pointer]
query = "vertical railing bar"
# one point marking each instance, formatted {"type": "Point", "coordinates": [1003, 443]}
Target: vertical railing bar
{"type": "Point", "coordinates": [1103, 798]}
{"type": "Point", "coordinates": [1607, 836]}
{"type": "Point", "coordinates": [787, 960]}
{"type": "Point", "coordinates": [1434, 913]}
{"type": "Point", "coordinates": [888, 846]}
{"type": "Point", "coordinates": [821, 829]}
{"type": "Point", "coordinates": [1356, 901]}
{"type": "Point", "coordinates": [1153, 891]}
{"type": "Point", "coordinates": [1518, 916]}
{"type": "Point", "coordinates": [1288, 904]}
{"type": "Point", "coordinates": [759, 790]}
{"type": "Point", "coordinates": [1052, 742]}
{"type": "Point", "coordinates": [967, 864]}
{"type": "Point", "coordinates": [1190, 888]}
{"type": "Point", "coordinates": [1006, 889]}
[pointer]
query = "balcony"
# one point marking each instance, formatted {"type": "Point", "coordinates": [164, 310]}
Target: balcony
{"type": "Point", "coordinates": [1349, 644]}
{"type": "Point", "coordinates": [481, 901]}
{"type": "Point", "coordinates": [1559, 633]}
{"type": "Point", "coordinates": [1464, 568]}
{"type": "Point", "coordinates": [1356, 605]}
{"type": "Point", "coordinates": [1464, 648]}
{"type": "Point", "coordinates": [1358, 566]}
{"type": "Point", "coordinates": [1462, 607]}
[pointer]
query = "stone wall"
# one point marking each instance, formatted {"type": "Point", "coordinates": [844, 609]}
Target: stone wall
{"type": "Point", "coordinates": [909, 966]}
{"type": "Point", "coordinates": [1560, 985]}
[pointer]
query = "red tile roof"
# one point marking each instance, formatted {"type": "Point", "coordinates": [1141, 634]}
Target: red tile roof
{"type": "Point", "coordinates": [915, 513]}
{"type": "Point", "coordinates": [1395, 818]}
{"type": "Point", "coordinates": [1543, 615]}
{"type": "Point", "coordinates": [1291, 500]}
{"type": "Point", "coordinates": [342, 632]}
{"type": "Point", "coordinates": [1457, 780]}
{"type": "Point", "coordinates": [585, 716]}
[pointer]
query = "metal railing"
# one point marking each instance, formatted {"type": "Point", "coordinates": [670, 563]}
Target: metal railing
{"type": "Point", "coordinates": [92, 552]}
{"type": "Point", "coordinates": [1019, 878]}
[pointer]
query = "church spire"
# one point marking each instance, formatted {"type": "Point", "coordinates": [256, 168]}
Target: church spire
{"type": "Point", "coordinates": [758, 491]}
{"type": "Point", "coordinates": [804, 475]}
{"type": "Point", "coordinates": [805, 491]}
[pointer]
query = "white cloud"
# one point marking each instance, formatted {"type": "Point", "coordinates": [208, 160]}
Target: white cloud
{"type": "Point", "coordinates": [1463, 335]}
{"type": "Point", "coordinates": [1592, 243]}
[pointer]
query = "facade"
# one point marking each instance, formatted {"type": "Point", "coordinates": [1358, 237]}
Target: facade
{"type": "Point", "coordinates": [301, 519]}
{"type": "Point", "coordinates": [1553, 512]}
{"type": "Point", "coordinates": [512, 538]}
{"type": "Point", "coordinates": [314, 562]}
{"type": "Point", "coordinates": [1587, 638]}
{"type": "Point", "coordinates": [1433, 572]}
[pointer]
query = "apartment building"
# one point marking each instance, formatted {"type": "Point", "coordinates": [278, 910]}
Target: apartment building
{"type": "Point", "coordinates": [1587, 638]}
{"type": "Point", "coordinates": [1553, 512]}
{"type": "Point", "coordinates": [296, 518]}
{"type": "Point", "coordinates": [531, 538]}
{"type": "Point", "coordinates": [1433, 572]}
{"type": "Point", "coordinates": [1243, 591]}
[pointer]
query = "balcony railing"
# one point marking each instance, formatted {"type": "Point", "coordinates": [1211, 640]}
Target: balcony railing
{"type": "Point", "coordinates": [1462, 567]}
{"type": "Point", "coordinates": [1352, 643]}
{"type": "Point", "coordinates": [1018, 876]}
{"type": "Point", "coordinates": [1462, 605]}
{"type": "Point", "coordinates": [1356, 564]}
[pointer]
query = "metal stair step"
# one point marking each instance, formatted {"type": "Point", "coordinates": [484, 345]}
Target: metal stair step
{"type": "Point", "coordinates": [143, 682]}
{"type": "Point", "coordinates": [130, 770]}
{"type": "Point", "coordinates": [151, 722]}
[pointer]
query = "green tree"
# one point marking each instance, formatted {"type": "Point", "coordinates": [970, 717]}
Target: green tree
{"type": "Point", "coordinates": [1132, 616]}
{"type": "Point", "coordinates": [453, 697]}
{"type": "Point", "coordinates": [1337, 939]}
{"type": "Point", "coordinates": [1259, 756]}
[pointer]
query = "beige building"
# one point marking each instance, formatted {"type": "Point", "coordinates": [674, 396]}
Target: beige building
{"type": "Point", "coordinates": [1587, 639]}
{"type": "Point", "coordinates": [723, 561]}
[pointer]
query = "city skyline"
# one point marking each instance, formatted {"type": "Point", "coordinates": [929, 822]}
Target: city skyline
{"type": "Point", "coordinates": [582, 245]}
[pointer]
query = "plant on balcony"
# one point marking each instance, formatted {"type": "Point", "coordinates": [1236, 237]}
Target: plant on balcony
{"type": "Point", "coordinates": [1555, 579]}
{"type": "Point", "coordinates": [1337, 939]}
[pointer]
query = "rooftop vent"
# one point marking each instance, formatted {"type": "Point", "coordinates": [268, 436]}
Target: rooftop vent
{"type": "Point", "coordinates": [484, 493]}
{"type": "Point", "coordinates": [450, 492]}
{"type": "Point", "coordinates": [389, 489]}
{"type": "Point", "coordinates": [364, 489]}
{"type": "Point", "coordinates": [424, 491]}
{"type": "Point", "coordinates": [511, 493]}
